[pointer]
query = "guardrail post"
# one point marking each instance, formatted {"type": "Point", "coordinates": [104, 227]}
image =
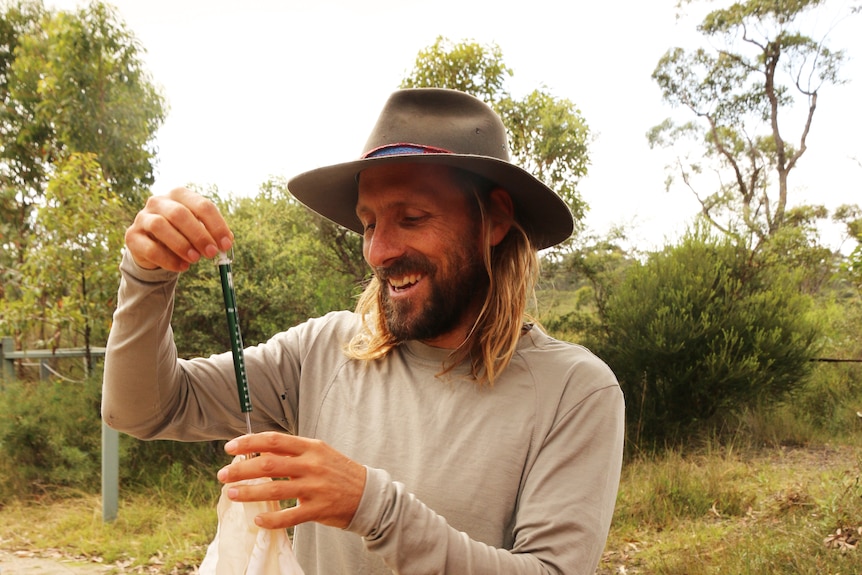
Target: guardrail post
{"type": "Point", "coordinates": [110, 473]}
{"type": "Point", "coordinates": [7, 347]}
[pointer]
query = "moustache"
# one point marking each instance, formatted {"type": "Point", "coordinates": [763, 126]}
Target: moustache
{"type": "Point", "coordinates": [404, 266]}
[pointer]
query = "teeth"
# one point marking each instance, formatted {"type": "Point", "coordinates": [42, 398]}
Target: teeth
{"type": "Point", "coordinates": [404, 281]}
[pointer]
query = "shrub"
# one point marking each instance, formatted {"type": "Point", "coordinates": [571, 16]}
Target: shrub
{"type": "Point", "coordinates": [50, 438]}
{"type": "Point", "coordinates": [700, 328]}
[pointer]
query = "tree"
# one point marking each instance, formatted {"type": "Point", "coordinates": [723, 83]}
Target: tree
{"type": "Point", "coordinates": [73, 269]}
{"type": "Point", "coordinates": [20, 160]}
{"type": "Point", "coordinates": [548, 136]}
{"type": "Point", "coordinates": [466, 66]}
{"type": "Point", "coordinates": [741, 94]}
{"type": "Point", "coordinates": [73, 87]}
{"type": "Point", "coordinates": [582, 282]}
{"type": "Point", "coordinates": [77, 84]}
{"type": "Point", "coordinates": [851, 217]}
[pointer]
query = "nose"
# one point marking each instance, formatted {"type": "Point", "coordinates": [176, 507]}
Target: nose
{"type": "Point", "coordinates": [382, 244]}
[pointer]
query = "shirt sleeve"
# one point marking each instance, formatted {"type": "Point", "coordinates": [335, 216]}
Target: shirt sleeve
{"type": "Point", "coordinates": [150, 393]}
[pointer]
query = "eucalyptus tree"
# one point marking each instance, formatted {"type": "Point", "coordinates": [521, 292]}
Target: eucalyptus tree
{"type": "Point", "coordinates": [741, 92]}
{"type": "Point", "coordinates": [73, 270]}
{"type": "Point", "coordinates": [73, 85]}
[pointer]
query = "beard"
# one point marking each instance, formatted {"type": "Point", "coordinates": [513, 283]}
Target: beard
{"type": "Point", "coordinates": [453, 293]}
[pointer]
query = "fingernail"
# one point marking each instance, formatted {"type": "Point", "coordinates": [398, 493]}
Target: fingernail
{"type": "Point", "coordinates": [258, 521]}
{"type": "Point", "coordinates": [232, 493]}
{"type": "Point", "coordinates": [193, 255]}
{"type": "Point", "coordinates": [211, 251]}
{"type": "Point", "coordinates": [222, 474]}
{"type": "Point", "coordinates": [225, 244]}
{"type": "Point", "coordinates": [230, 446]}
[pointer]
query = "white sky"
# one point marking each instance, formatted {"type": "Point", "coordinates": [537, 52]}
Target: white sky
{"type": "Point", "coordinates": [261, 88]}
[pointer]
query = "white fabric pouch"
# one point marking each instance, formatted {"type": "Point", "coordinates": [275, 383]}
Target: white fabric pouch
{"type": "Point", "coordinates": [242, 548]}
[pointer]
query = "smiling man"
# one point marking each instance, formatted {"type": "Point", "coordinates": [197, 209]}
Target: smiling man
{"type": "Point", "coordinates": [433, 429]}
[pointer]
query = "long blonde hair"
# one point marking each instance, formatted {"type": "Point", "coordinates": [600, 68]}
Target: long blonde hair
{"type": "Point", "coordinates": [512, 267]}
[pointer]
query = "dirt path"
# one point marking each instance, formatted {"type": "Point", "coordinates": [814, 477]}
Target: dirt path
{"type": "Point", "coordinates": [27, 563]}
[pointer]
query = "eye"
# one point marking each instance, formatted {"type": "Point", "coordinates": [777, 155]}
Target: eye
{"type": "Point", "coordinates": [412, 220]}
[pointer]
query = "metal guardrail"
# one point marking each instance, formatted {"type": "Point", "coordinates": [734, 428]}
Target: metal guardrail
{"type": "Point", "coordinates": [8, 355]}
{"type": "Point", "coordinates": [110, 437]}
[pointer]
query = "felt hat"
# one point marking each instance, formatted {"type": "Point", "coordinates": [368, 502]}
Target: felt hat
{"type": "Point", "coordinates": [445, 127]}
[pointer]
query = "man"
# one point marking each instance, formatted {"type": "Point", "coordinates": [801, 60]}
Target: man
{"type": "Point", "coordinates": [429, 431]}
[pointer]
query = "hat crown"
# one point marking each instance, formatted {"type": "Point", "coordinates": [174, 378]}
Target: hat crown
{"type": "Point", "coordinates": [439, 118]}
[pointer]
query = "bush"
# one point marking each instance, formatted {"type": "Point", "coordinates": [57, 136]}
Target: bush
{"type": "Point", "coordinates": [700, 329]}
{"type": "Point", "coordinates": [50, 438]}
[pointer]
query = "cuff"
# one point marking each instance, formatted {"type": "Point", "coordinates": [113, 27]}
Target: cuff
{"type": "Point", "coordinates": [370, 514]}
{"type": "Point", "coordinates": [129, 266]}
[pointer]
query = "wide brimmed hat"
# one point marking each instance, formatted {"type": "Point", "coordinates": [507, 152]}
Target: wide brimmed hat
{"type": "Point", "coordinates": [445, 127]}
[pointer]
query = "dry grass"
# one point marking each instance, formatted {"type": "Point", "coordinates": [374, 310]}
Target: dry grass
{"type": "Point", "coordinates": [774, 511]}
{"type": "Point", "coordinates": [151, 535]}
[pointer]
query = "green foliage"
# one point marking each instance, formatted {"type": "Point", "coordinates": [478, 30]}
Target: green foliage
{"type": "Point", "coordinates": [22, 160]}
{"type": "Point", "coordinates": [50, 444]}
{"type": "Point", "coordinates": [588, 273]}
{"type": "Point", "coordinates": [80, 86]}
{"type": "Point", "coordinates": [851, 217]}
{"type": "Point", "coordinates": [286, 269]}
{"type": "Point", "coordinates": [49, 437]}
{"type": "Point", "coordinates": [832, 396]}
{"type": "Point", "coordinates": [548, 136]}
{"type": "Point", "coordinates": [80, 229]}
{"type": "Point", "coordinates": [739, 511]}
{"type": "Point", "coordinates": [797, 245]}
{"type": "Point", "coordinates": [670, 488]}
{"type": "Point", "coordinates": [700, 329]}
{"type": "Point", "coordinates": [465, 66]}
{"type": "Point", "coordinates": [78, 119]}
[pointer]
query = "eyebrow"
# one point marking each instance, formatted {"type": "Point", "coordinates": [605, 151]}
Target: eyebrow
{"type": "Point", "coordinates": [362, 209]}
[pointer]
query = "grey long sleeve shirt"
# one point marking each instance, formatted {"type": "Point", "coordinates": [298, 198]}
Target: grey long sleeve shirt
{"type": "Point", "coordinates": [517, 478]}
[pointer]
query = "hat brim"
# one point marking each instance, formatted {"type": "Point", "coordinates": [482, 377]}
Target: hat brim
{"type": "Point", "coordinates": [332, 192]}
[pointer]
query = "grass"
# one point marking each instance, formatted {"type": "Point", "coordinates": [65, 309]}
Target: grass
{"type": "Point", "coordinates": [756, 511]}
{"type": "Point", "coordinates": [722, 510]}
{"type": "Point", "coordinates": [150, 531]}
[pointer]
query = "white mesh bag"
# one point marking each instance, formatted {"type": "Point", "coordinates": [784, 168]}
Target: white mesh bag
{"type": "Point", "coordinates": [242, 548]}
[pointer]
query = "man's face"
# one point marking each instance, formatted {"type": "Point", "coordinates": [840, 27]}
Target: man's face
{"type": "Point", "coordinates": [422, 238]}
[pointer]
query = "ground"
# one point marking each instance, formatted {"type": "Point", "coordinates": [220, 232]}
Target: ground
{"type": "Point", "coordinates": [29, 563]}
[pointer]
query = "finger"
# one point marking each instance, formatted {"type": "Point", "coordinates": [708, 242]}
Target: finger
{"type": "Point", "coordinates": [213, 229]}
{"type": "Point", "coordinates": [293, 516]}
{"type": "Point", "coordinates": [177, 229]}
{"type": "Point", "coordinates": [154, 243]}
{"type": "Point", "coordinates": [270, 442]}
{"type": "Point", "coordinates": [320, 510]}
{"type": "Point", "coordinates": [175, 222]}
{"type": "Point", "coordinates": [275, 490]}
{"type": "Point", "coordinates": [266, 465]}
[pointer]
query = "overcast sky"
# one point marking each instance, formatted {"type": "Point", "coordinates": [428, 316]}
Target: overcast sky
{"type": "Point", "coordinates": [261, 88]}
